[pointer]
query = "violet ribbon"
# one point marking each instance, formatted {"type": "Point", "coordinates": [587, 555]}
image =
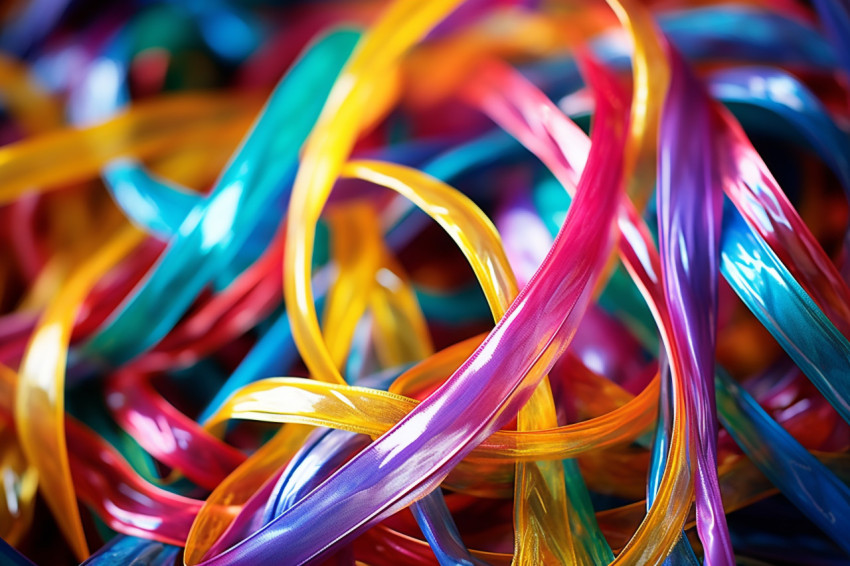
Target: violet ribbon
{"type": "Point", "coordinates": [485, 393]}
{"type": "Point", "coordinates": [690, 209]}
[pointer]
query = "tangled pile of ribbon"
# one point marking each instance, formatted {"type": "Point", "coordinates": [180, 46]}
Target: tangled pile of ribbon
{"type": "Point", "coordinates": [425, 282]}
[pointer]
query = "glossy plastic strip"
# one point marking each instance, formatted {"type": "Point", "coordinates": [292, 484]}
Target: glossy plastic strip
{"type": "Point", "coordinates": [418, 462]}
{"type": "Point", "coordinates": [783, 307]}
{"type": "Point", "coordinates": [690, 207]}
{"type": "Point", "coordinates": [39, 401]}
{"type": "Point", "coordinates": [531, 117]}
{"type": "Point", "coordinates": [810, 485]}
{"type": "Point", "coordinates": [212, 233]}
{"type": "Point", "coordinates": [355, 95]}
{"type": "Point", "coordinates": [146, 130]}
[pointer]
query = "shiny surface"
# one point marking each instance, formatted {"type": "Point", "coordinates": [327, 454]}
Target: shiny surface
{"type": "Point", "coordinates": [780, 303]}
{"type": "Point", "coordinates": [132, 550]}
{"type": "Point", "coordinates": [690, 208]}
{"type": "Point", "coordinates": [301, 401]}
{"type": "Point", "coordinates": [327, 149]}
{"type": "Point", "coordinates": [166, 434]}
{"type": "Point", "coordinates": [147, 406]}
{"type": "Point", "coordinates": [147, 130]}
{"type": "Point", "coordinates": [475, 235]}
{"type": "Point", "coordinates": [210, 234]}
{"type": "Point", "coordinates": [127, 502]}
{"type": "Point", "coordinates": [759, 199]}
{"type": "Point", "coordinates": [219, 509]}
{"type": "Point", "coordinates": [519, 108]}
{"type": "Point", "coordinates": [789, 466]}
{"type": "Point", "coordinates": [396, 454]}
{"type": "Point", "coordinates": [39, 399]}
{"type": "Point", "coordinates": [651, 75]}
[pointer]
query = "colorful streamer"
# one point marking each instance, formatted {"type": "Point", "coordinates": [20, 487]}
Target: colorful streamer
{"type": "Point", "coordinates": [478, 282]}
